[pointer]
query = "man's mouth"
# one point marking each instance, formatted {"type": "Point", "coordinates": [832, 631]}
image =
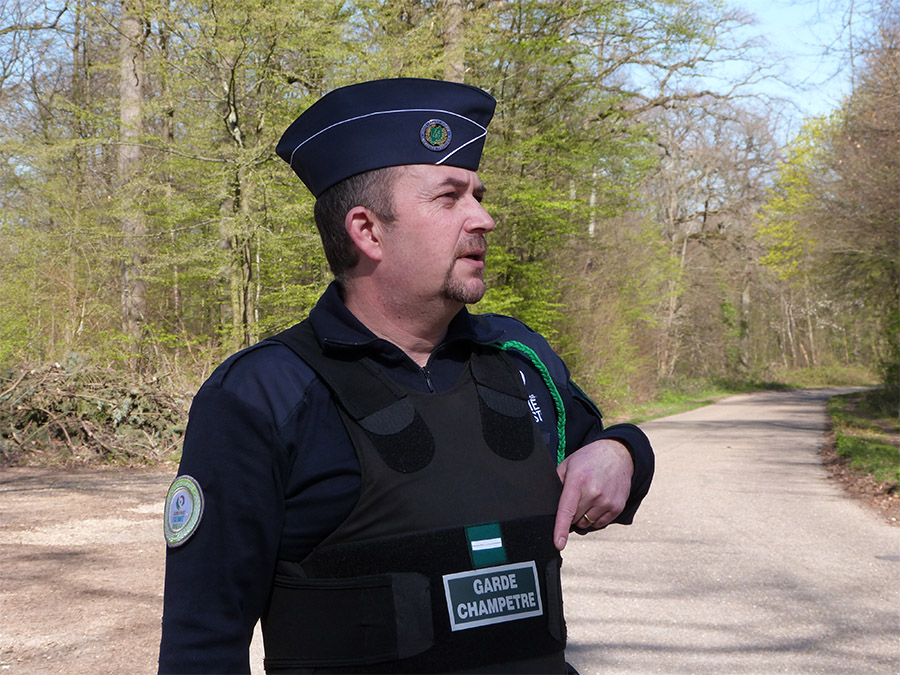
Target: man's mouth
{"type": "Point", "coordinates": [476, 252]}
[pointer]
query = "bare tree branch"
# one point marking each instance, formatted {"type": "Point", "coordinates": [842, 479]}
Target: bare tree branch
{"type": "Point", "coordinates": [35, 26]}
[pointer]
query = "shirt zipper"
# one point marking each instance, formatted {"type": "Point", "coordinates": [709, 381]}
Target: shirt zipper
{"type": "Point", "coordinates": [428, 381]}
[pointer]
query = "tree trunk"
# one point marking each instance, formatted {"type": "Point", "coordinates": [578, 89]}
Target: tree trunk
{"type": "Point", "coordinates": [237, 273]}
{"type": "Point", "coordinates": [790, 328]}
{"type": "Point", "coordinates": [134, 225]}
{"type": "Point", "coordinates": [168, 135]}
{"type": "Point", "coordinates": [810, 328]}
{"type": "Point", "coordinates": [746, 282]}
{"type": "Point", "coordinates": [78, 170]}
{"type": "Point", "coordinates": [672, 336]}
{"type": "Point", "coordinates": [234, 229]}
{"type": "Point", "coordinates": [454, 50]}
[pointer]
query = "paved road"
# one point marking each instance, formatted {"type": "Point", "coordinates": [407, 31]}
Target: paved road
{"type": "Point", "coordinates": [744, 558]}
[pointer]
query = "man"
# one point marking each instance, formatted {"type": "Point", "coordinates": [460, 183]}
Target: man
{"type": "Point", "coordinates": [377, 483]}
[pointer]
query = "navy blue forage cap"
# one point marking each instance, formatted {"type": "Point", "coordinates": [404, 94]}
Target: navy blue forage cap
{"type": "Point", "coordinates": [382, 123]}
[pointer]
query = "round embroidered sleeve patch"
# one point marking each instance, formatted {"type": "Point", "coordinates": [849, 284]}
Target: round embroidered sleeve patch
{"type": "Point", "coordinates": [184, 507]}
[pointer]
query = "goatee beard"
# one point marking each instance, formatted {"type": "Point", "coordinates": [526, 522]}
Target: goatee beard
{"type": "Point", "coordinates": [467, 292]}
{"type": "Point", "coordinates": [459, 291]}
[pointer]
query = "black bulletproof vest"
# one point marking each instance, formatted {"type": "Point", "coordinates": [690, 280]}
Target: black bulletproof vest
{"type": "Point", "coordinates": [446, 563]}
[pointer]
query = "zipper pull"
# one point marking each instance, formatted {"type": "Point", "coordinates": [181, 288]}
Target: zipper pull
{"type": "Point", "coordinates": [428, 380]}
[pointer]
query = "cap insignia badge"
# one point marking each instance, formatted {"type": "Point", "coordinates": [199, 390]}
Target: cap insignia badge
{"type": "Point", "coordinates": [435, 135]}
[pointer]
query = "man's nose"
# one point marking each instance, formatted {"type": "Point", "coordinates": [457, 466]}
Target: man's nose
{"type": "Point", "coordinates": [480, 220]}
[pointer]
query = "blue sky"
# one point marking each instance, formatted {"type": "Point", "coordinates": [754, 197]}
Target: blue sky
{"type": "Point", "coordinates": [800, 31]}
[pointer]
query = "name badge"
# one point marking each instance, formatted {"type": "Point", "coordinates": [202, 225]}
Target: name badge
{"type": "Point", "coordinates": [493, 595]}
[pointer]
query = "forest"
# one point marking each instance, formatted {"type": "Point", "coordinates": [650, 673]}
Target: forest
{"type": "Point", "coordinates": [659, 219]}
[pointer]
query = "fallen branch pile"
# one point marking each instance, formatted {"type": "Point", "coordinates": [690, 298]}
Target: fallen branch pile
{"type": "Point", "coordinates": [52, 416]}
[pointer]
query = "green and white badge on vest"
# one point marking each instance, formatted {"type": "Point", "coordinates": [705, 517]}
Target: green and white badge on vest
{"type": "Point", "coordinates": [486, 545]}
{"type": "Point", "coordinates": [493, 595]}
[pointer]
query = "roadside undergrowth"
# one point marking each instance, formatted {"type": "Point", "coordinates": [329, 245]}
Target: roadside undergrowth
{"type": "Point", "coordinates": [58, 415]}
{"type": "Point", "coordinates": [864, 448]}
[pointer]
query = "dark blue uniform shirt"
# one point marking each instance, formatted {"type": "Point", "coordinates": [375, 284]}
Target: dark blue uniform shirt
{"type": "Point", "coordinates": [279, 473]}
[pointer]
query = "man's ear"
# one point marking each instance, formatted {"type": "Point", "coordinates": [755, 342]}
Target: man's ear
{"type": "Point", "coordinates": [364, 228]}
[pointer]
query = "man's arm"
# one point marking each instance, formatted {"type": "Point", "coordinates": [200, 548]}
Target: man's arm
{"type": "Point", "coordinates": [217, 581]}
{"type": "Point", "coordinates": [596, 486]}
{"type": "Point", "coordinates": [606, 472]}
{"type": "Point", "coordinates": [606, 477]}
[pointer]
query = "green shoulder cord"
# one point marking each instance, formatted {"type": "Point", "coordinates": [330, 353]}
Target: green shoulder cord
{"type": "Point", "coordinates": [551, 386]}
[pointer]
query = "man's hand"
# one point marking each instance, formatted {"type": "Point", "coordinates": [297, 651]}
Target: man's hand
{"type": "Point", "coordinates": [596, 483]}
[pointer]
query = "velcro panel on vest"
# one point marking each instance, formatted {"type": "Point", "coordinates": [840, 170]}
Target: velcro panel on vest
{"type": "Point", "coordinates": [380, 407]}
{"type": "Point", "coordinates": [506, 424]}
{"type": "Point", "coordinates": [400, 436]}
{"type": "Point", "coordinates": [503, 405]}
{"type": "Point", "coordinates": [363, 391]}
{"type": "Point", "coordinates": [346, 622]}
{"type": "Point", "coordinates": [443, 552]}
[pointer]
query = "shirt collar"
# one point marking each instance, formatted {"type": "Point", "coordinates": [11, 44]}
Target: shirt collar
{"type": "Point", "coordinates": [337, 328]}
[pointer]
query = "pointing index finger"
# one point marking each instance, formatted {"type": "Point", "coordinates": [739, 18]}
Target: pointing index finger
{"type": "Point", "coordinates": [566, 514]}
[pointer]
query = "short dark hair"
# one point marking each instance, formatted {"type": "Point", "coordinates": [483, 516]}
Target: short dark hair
{"type": "Point", "coordinates": [370, 189]}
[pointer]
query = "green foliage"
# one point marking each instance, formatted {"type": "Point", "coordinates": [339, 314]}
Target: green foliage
{"type": "Point", "coordinates": [231, 253]}
{"type": "Point", "coordinates": [864, 423]}
{"type": "Point", "coordinates": [890, 363]}
{"type": "Point", "coordinates": [872, 456]}
{"type": "Point", "coordinates": [830, 225]}
{"type": "Point", "coordinates": [824, 376]}
{"type": "Point", "coordinates": [783, 225]}
{"type": "Point", "coordinates": [633, 264]}
{"type": "Point", "coordinates": [680, 394]}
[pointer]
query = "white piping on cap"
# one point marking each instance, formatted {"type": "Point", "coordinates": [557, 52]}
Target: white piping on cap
{"type": "Point", "coordinates": [391, 112]}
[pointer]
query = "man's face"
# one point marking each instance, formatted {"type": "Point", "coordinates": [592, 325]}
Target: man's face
{"type": "Point", "coordinates": [436, 246]}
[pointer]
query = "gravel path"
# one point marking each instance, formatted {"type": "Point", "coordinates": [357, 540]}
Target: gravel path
{"type": "Point", "coordinates": [81, 560]}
